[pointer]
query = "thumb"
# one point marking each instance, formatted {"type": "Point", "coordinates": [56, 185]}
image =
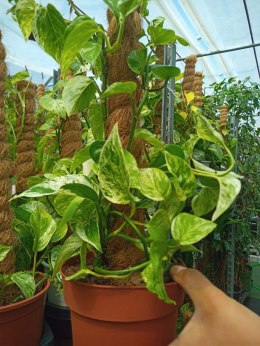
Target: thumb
{"type": "Point", "coordinates": [197, 286]}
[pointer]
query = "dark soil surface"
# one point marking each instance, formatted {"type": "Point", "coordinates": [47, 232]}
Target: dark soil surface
{"type": "Point", "coordinates": [12, 294]}
{"type": "Point", "coordinates": [133, 280]}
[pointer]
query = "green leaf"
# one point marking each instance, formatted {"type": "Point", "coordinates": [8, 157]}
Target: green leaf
{"type": "Point", "coordinates": [69, 248]}
{"type": "Point", "coordinates": [182, 41]}
{"type": "Point", "coordinates": [96, 120]}
{"type": "Point", "coordinates": [189, 145]}
{"type": "Point", "coordinates": [76, 38]}
{"type": "Point", "coordinates": [82, 190]}
{"type": "Point", "coordinates": [154, 184]}
{"type": "Point", "coordinates": [113, 175]}
{"type": "Point", "coordinates": [24, 252]}
{"type": "Point", "coordinates": [62, 200]}
{"type": "Point", "coordinates": [137, 60]}
{"type": "Point", "coordinates": [81, 156]}
{"type": "Point", "coordinates": [188, 229]}
{"type": "Point", "coordinates": [134, 173]}
{"type": "Point", "coordinates": [159, 225]}
{"type": "Point", "coordinates": [200, 166]}
{"type": "Point", "coordinates": [77, 94]}
{"type": "Point", "coordinates": [55, 106]}
{"type": "Point", "coordinates": [120, 88]}
{"type": "Point", "coordinates": [160, 36]}
{"type": "Point", "coordinates": [52, 186]}
{"type": "Point", "coordinates": [86, 224]}
{"type": "Point", "coordinates": [25, 210]}
{"type": "Point", "coordinates": [113, 5]}
{"type": "Point", "coordinates": [158, 21]}
{"type": "Point", "coordinates": [165, 72]}
{"type": "Point", "coordinates": [189, 248]}
{"type": "Point", "coordinates": [4, 250]}
{"type": "Point", "coordinates": [153, 273]}
{"type": "Point", "coordinates": [206, 131]}
{"type": "Point", "coordinates": [43, 227]}
{"type": "Point", "coordinates": [189, 96]}
{"type": "Point", "coordinates": [24, 11]}
{"type": "Point", "coordinates": [182, 172]}
{"type": "Point", "coordinates": [174, 204]}
{"type": "Point", "coordinates": [92, 50]}
{"type": "Point", "coordinates": [229, 187]}
{"type": "Point", "coordinates": [55, 252]}
{"type": "Point", "coordinates": [69, 212]}
{"type": "Point", "coordinates": [175, 149]}
{"type": "Point", "coordinates": [205, 201]}
{"type": "Point", "coordinates": [95, 150]}
{"type": "Point", "coordinates": [60, 232]}
{"type": "Point", "coordinates": [48, 30]}
{"type": "Point", "coordinates": [149, 137]}
{"type": "Point", "coordinates": [25, 282]}
{"type": "Point", "coordinates": [59, 85]}
{"type": "Point", "coordinates": [17, 77]}
{"type": "Point", "coordinates": [217, 151]}
{"type": "Point", "coordinates": [126, 7]}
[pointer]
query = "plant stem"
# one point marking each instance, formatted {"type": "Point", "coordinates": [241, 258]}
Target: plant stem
{"type": "Point", "coordinates": [115, 46]}
{"type": "Point", "coordinates": [34, 263]}
{"type": "Point", "coordinates": [83, 255]}
{"type": "Point", "coordinates": [136, 229]}
{"type": "Point", "coordinates": [122, 271]}
{"type": "Point", "coordinates": [76, 9]}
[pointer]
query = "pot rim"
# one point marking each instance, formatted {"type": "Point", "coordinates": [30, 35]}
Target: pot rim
{"type": "Point", "coordinates": [26, 301]}
{"type": "Point", "coordinates": [79, 282]}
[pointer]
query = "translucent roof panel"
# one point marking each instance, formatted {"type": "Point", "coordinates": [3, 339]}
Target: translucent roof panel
{"type": "Point", "coordinates": [216, 25]}
{"type": "Point", "coordinates": [207, 25]}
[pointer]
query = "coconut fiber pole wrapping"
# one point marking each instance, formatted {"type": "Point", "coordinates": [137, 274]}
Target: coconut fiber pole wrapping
{"type": "Point", "coordinates": [71, 133]}
{"type": "Point", "coordinates": [120, 253]}
{"type": "Point", "coordinates": [189, 73]}
{"type": "Point", "coordinates": [25, 160]}
{"type": "Point", "coordinates": [40, 94]}
{"type": "Point", "coordinates": [7, 236]}
{"type": "Point", "coordinates": [223, 117]}
{"type": "Point", "coordinates": [198, 89]}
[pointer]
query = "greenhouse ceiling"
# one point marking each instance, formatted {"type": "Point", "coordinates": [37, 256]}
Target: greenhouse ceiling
{"type": "Point", "coordinates": [208, 26]}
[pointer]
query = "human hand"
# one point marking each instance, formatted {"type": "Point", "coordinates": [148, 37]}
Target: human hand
{"type": "Point", "coordinates": [218, 320]}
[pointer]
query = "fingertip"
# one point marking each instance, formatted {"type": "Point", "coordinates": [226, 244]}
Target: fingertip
{"type": "Point", "coordinates": [175, 270]}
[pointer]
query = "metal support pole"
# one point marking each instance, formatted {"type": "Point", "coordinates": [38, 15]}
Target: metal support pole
{"type": "Point", "coordinates": [232, 230]}
{"type": "Point", "coordinates": [171, 97]}
{"type": "Point", "coordinates": [167, 125]}
{"type": "Point", "coordinates": [224, 51]}
{"type": "Point", "coordinates": [56, 76]}
{"type": "Point", "coordinates": [164, 101]}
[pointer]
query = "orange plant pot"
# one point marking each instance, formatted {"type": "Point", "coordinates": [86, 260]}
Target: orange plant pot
{"type": "Point", "coordinates": [116, 316]}
{"type": "Point", "coordinates": [21, 323]}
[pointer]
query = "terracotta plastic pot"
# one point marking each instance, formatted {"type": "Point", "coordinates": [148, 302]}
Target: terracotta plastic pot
{"type": "Point", "coordinates": [21, 323]}
{"type": "Point", "coordinates": [116, 316]}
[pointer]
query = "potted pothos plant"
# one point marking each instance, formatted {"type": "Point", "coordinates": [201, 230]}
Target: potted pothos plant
{"type": "Point", "coordinates": [22, 287]}
{"type": "Point", "coordinates": [23, 292]}
{"type": "Point", "coordinates": [136, 201]}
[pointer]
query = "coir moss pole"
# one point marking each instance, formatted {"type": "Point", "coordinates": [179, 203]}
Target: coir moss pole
{"type": "Point", "coordinates": [120, 253]}
{"type": "Point", "coordinates": [40, 94]}
{"type": "Point", "coordinates": [7, 236]}
{"type": "Point", "coordinates": [223, 117]}
{"type": "Point", "coordinates": [198, 89]}
{"type": "Point", "coordinates": [189, 73]}
{"type": "Point", "coordinates": [25, 160]}
{"type": "Point", "coordinates": [71, 133]}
